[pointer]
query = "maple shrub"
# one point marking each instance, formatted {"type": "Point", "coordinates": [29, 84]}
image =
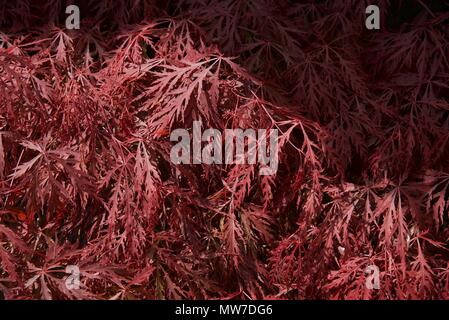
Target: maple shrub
{"type": "Point", "coordinates": [86, 180]}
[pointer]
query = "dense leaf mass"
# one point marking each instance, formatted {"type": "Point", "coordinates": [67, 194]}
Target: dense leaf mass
{"type": "Point", "coordinates": [85, 171]}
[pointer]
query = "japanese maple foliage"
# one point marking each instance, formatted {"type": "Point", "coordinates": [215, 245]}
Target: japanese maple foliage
{"type": "Point", "coordinates": [86, 177]}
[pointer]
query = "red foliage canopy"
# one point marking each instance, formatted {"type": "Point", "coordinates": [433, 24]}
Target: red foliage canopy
{"type": "Point", "coordinates": [85, 171]}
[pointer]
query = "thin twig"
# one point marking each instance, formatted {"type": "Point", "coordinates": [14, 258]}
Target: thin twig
{"type": "Point", "coordinates": [427, 8]}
